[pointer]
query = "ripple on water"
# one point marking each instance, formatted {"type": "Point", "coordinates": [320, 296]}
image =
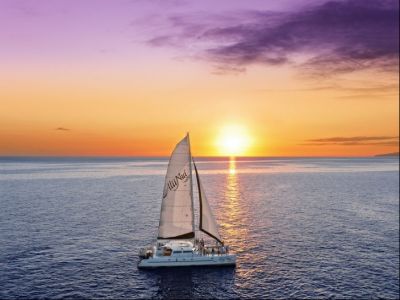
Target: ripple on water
{"type": "Point", "coordinates": [301, 229]}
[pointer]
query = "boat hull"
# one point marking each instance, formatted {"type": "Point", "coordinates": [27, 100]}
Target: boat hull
{"type": "Point", "coordinates": [201, 260]}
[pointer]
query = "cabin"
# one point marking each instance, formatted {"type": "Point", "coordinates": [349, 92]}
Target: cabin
{"type": "Point", "coordinates": [176, 248]}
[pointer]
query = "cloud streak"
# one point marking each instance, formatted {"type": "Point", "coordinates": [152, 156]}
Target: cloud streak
{"type": "Point", "coordinates": [333, 38]}
{"type": "Point", "coordinates": [355, 141]}
{"type": "Point", "coordinates": [62, 129]}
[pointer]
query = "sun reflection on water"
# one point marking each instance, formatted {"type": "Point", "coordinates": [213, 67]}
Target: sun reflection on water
{"type": "Point", "coordinates": [237, 222]}
{"type": "Point", "coordinates": [232, 166]}
{"type": "Point", "coordinates": [234, 214]}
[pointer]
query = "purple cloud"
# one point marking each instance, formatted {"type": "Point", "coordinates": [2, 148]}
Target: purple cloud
{"type": "Point", "coordinates": [335, 37]}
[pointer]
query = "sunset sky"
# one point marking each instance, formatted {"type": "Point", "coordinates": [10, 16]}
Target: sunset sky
{"type": "Point", "coordinates": [131, 77]}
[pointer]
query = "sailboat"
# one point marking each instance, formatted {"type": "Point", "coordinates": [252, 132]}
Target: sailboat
{"type": "Point", "coordinates": [178, 242]}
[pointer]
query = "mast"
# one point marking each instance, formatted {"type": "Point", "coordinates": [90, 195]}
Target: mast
{"type": "Point", "coordinates": [191, 180]}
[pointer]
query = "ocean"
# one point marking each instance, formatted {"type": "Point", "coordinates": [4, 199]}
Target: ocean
{"type": "Point", "coordinates": [301, 228]}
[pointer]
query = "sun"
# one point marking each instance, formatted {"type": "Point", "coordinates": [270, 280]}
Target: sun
{"type": "Point", "coordinates": [233, 140]}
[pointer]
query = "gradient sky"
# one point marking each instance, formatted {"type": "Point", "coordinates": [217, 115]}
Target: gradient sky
{"type": "Point", "coordinates": [301, 78]}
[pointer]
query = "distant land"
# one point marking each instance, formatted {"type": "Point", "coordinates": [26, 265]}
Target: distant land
{"type": "Point", "coordinates": [388, 154]}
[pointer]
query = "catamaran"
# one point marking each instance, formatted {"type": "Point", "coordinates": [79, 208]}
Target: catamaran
{"type": "Point", "coordinates": [178, 244]}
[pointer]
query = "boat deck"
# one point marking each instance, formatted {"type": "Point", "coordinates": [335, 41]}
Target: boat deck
{"type": "Point", "coordinates": [192, 260]}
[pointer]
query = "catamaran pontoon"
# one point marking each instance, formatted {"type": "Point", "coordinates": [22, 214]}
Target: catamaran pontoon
{"type": "Point", "coordinates": [177, 244]}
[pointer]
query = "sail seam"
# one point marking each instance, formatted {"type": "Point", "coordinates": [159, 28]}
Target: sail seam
{"type": "Point", "coordinates": [205, 231]}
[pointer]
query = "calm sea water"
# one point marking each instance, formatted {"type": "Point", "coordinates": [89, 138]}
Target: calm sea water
{"type": "Point", "coordinates": [302, 228]}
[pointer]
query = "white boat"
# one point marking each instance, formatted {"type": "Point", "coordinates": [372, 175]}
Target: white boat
{"type": "Point", "coordinates": [178, 244]}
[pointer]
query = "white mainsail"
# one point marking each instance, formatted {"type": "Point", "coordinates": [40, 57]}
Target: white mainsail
{"type": "Point", "coordinates": [177, 215]}
{"type": "Point", "coordinates": [207, 220]}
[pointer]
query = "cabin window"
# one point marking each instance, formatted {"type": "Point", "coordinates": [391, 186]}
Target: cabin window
{"type": "Point", "coordinates": [167, 252]}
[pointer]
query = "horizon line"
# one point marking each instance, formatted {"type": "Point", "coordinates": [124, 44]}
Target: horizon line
{"type": "Point", "coordinates": [201, 156]}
